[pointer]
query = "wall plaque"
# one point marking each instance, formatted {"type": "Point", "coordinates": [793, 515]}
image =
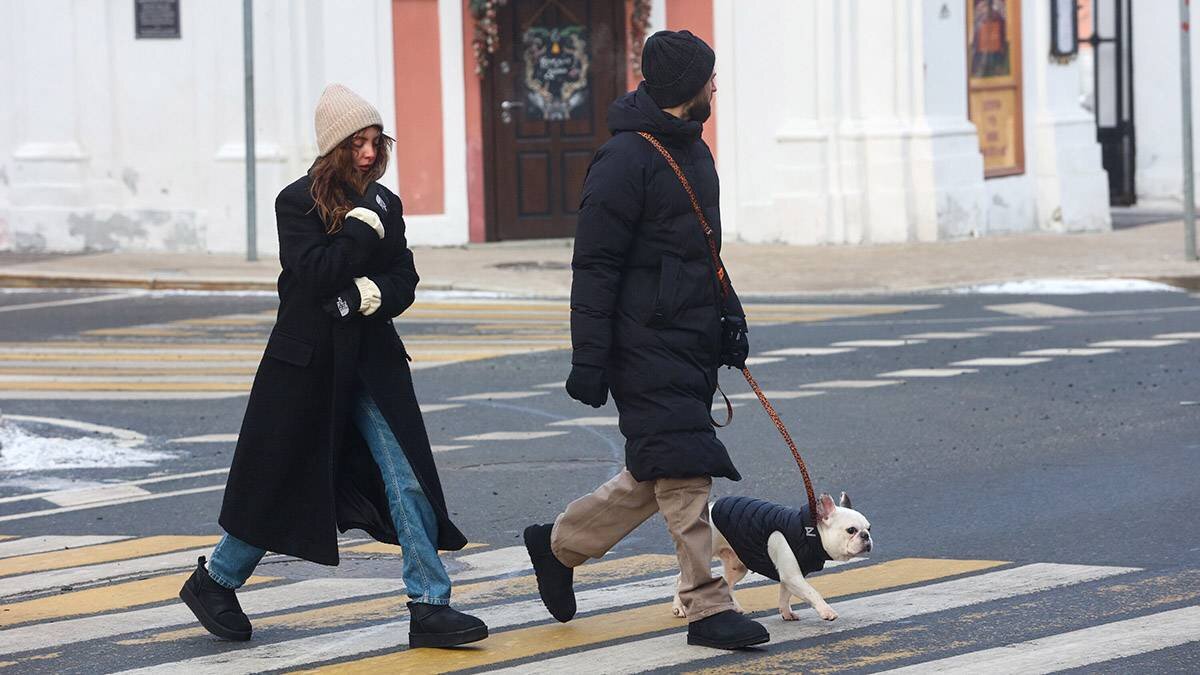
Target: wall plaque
{"type": "Point", "coordinates": [156, 19]}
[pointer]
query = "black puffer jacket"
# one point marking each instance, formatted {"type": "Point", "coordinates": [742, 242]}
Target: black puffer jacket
{"type": "Point", "coordinates": [645, 303]}
{"type": "Point", "coordinates": [747, 524]}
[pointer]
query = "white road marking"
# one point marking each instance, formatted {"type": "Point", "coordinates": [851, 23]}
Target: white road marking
{"type": "Point", "coordinates": [1075, 649]}
{"type": "Point", "coordinates": [113, 502]}
{"type": "Point", "coordinates": [499, 396]}
{"type": "Point", "coordinates": [928, 372]}
{"type": "Point", "coordinates": [50, 495]}
{"type": "Point", "coordinates": [877, 343]}
{"type": "Point", "coordinates": [773, 395]}
{"type": "Point", "coordinates": [1013, 329]}
{"type": "Point", "coordinates": [65, 303]}
{"type": "Point", "coordinates": [1002, 361]}
{"type": "Point", "coordinates": [808, 351]}
{"type": "Point", "coordinates": [1136, 344]}
{"type": "Point", "coordinates": [511, 436]}
{"type": "Point", "coordinates": [851, 384]}
{"type": "Point", "coordinates": [1034, 310]}
{"type": "Point", "coordinates": [551, 385]}
{"type": "Point", "coordinates": [1068, 351]}
{"type": "Point", "coordinates": [948, 335]}
{"type": "Point", "coordinates": [127, 435]}
{"type": "Point", "coordinates": [587, 422]}
{"type": "Point", "coordinates": [207, 438]}
{"type": "Point", "coordinates": [1178, 336]}
{"type": "Point", "coordinates": [47, 543]}
{"type": "Point", "coordinates": [427, 408]}
{"type": "Point", "coordinates": [448, 448]}
{"type": "Point", "coordinates": [22, 395]}
{"type": "Point", "coordinates": [671, 651]}
{"type": "Point", "coordinates": [762, 360]}
{"type": "Point", "coordinates": [234, 381]}
{"type": "Point", "coordinates": [105, 493]}
{"type": "Point", "coordinates": [87, 574]}
{"type": "Point", "coordinates": [262, 601]}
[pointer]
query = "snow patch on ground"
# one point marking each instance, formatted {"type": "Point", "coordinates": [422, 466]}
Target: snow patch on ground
{"type": "Point", "coordinates": [23, 450]}
{"type": "Point", "coordinates": [1068, 287]}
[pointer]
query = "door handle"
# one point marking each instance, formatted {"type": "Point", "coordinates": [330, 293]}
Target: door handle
{"type": "Point", "coordinates": [506, 108]}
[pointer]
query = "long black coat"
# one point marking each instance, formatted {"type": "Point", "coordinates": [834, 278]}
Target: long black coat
{"type": "Point", "coordinates": [645, 303]}
{"type": "Point", "coordinates": [301, 470]}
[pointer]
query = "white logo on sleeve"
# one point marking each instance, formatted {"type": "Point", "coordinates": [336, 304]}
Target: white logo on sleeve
{"type": "Point", "coordinates": [379, 200]}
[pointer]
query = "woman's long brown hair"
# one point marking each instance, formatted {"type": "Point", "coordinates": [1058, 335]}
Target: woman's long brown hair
{"type": "Point", "coordinates": [335, 181]}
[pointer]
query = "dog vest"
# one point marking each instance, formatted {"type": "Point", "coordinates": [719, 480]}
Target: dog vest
{"type": "Point", "coordinates": [747, 523]}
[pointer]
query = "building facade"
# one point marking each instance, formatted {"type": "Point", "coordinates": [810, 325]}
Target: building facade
{"type": "Point", "coordinates": [856, 121]}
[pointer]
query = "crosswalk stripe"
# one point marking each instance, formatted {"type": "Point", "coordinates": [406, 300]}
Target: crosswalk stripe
{"type": "Point", "coordinates": [1069, 351]}
{"type": "Point", "coordinates": [102, 599]}
{"type": "Point", "coordinates": [1012, 329]}
{"type": "Point", "coordinates": [587, 422]}
{"type": "Point", "coordinates": [511, 436]}
{"type": "Point", "coordinates": [263, 601]}
{"type": "Point", "coordinates": [45, 543]}
{"type": "Point", "coordinates": [111, 502]}
{"type": "Point", "coordinates": [775, 394]}
{"type": "Point", "coordinates": [499, 395]}
{"type": "Point", "coordinates": [1002, 361]}
{"type": "Point", "coordinates": [946, 335]}
{"type": "Point", "coordinates": [51, 495]}
{"type": "Point", "coordinates": [809, 351]}
{"type": "Point", "coordinates": [850, 384]}
{"type": "Point", "coordinates": [670, 651]}
{"type": "Point", "coordinates": [348, 643]}
{"type": "Point", "coordinates": [928, 372]}
{"type": "Point", "coordinates": [877, 343]}
{"type": "Point", "coordinates": [61, 578]}
{"type": "Point", "coordinates": [526, 642]}
{"type": "Point", "coordinates": [1035, 310]}
{"type": "Point", "coordinates": [1136, 344]}
{"type": "Point", "coordinates": [1075, 649]}
{"type": "Point", "coordinates": [1178, 336]}
{"type": "Point", "coordinates": [100, 553]}
{"type": "Point", "coordinates": [328, 619]}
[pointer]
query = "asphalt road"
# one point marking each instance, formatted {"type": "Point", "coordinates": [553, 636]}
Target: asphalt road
{"type": "Point", "coordinates": [1012, 502]}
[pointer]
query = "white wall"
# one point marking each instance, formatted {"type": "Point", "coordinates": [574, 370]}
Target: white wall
{"type": "Point", "coordinates": [1157, 110]}
{"type": "Point", "coordinates": [110, 142]}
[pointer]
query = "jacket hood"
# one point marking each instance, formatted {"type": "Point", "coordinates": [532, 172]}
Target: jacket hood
{"type": "Point", "coordinates": [636, 111]}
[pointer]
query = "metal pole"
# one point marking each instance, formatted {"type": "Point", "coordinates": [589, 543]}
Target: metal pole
{"type": "Point", "coordinates": [1189, 178]}
{"type": "Point", "coordinates": [248, 60]}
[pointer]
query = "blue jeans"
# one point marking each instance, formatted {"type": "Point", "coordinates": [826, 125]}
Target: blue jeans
{"type": "Point", "coordinates": [425, 577]}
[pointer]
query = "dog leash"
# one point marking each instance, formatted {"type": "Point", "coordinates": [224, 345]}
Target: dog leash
{"type": "Point", "coordinates": [723, 280]}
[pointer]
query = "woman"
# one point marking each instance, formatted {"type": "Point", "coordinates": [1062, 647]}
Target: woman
{"type": "Point", "coordinates": [333, 437]}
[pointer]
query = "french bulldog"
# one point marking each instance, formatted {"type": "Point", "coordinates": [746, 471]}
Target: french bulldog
{"type": "Point", "coordinates": [784, 544]}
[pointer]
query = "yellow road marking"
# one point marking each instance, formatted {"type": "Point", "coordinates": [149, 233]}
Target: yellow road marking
{"type": "Point", "coordinates": [129, 386]}
{"type": "Point", "coordinates": [99, 553]}
{"type": "Point", "coordinates": [392, 608]}
{"type": "Point", "coordinates": [250, 357]}
{"type": "Point", "coordinates": [391, 549]}
{"type": "Point", "coordinates": [97, 600]}
{"type": "Point", "coordinates": [145, 372]}
{"type": "Point", "coordinates": [142, 332]}
{"type": "Point", "coordinates": [525, 642]}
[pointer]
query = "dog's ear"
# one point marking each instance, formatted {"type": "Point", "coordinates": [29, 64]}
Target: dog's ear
{"type": "Point", "coordinates": [825, 507]}
{"type": "Point", "coordinates": [844, 502]}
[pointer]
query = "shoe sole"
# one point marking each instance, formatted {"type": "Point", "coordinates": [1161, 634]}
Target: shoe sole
{"type": "Point", "coordinates": [189, 598]}
{"type": "Point", "coordinates": [740, 644]}
{"type": "Point", "coordinates": [461, 637]}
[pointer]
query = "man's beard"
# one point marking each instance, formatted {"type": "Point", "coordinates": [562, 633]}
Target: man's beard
{"type": "Point", "coordinates": [700, 109]}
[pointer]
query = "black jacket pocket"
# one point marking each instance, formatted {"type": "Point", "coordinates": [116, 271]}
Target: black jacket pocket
{"type": "Point", "coordinates": [289, 349]}
{"type": "Point", "coordinates": [665, 303]}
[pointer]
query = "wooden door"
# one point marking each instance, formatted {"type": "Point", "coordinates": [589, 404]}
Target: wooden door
{"type": "Point", "coordinates": [546, 95]}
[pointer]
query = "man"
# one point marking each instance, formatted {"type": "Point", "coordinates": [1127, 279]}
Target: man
{"type": "Point", "coordinates": [649, 323]}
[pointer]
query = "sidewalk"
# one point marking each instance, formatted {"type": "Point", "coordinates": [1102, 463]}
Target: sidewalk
{"type": "Point", "coordinates": [542, 269]}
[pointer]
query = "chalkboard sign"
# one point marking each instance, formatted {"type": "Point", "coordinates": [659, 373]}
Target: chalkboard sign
{"type": "Point", "coordinates": [156, 18]}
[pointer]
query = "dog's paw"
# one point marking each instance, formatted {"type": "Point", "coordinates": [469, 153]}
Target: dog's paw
{"type": "Point", "coordinates": [827, 613]}
{"type": "Point", "coordinates": [787, 614]}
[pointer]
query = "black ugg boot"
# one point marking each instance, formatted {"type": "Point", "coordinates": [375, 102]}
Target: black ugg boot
{"type": "Point", "coordinates": [442, 626]}
{"type": "Point", "coordinates": [554, 579]}
{"type": "Point", "coordinates": [214, 605]}
{"type": "Point", "coordinates": [727, 630]}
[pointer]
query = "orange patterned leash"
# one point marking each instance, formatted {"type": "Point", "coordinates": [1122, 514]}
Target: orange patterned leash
{"type": "Point", "coordinates": [724, 282]}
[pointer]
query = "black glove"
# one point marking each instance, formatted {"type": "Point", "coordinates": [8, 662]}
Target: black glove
{"type": "Point", "coordinates": [587, 384]}
{"type": "Point", "coordinates": [344, 306]}
{"type": "Point", "coordinates": [735, 346]}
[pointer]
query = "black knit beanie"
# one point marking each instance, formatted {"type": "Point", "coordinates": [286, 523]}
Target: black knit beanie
{"type": "Point", "coordinates": [676, 66]}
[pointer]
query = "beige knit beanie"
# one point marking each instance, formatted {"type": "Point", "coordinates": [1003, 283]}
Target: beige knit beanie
{"type": "Point", "coordinates": [340, 113]}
